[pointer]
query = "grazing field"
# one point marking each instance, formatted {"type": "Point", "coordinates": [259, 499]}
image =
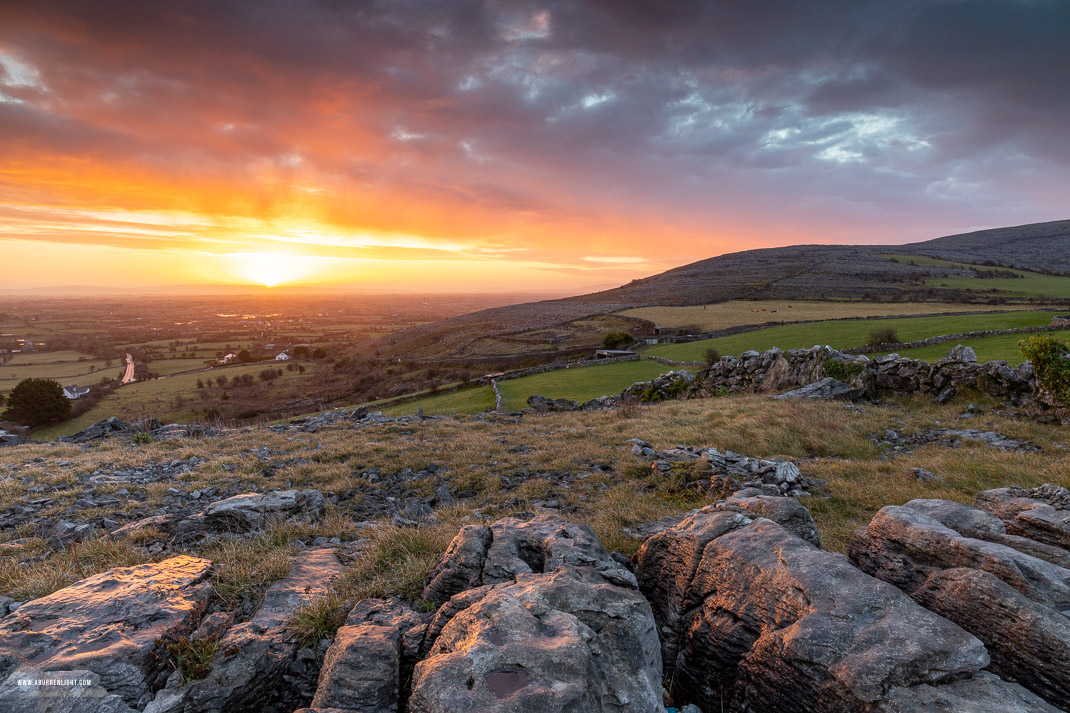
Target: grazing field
{"type": "Point", "coordinates": [174, 398]}
{"type": "Point", "coordinates": [163, 367]}
{"type": "Point", "coordinates": [472, 400]}
{"type": "Point", "coordinates": [580, 383]}
{"type": "Point", "coordinates": [848, 333]}
{"type": "Point", "coordinates": [1028, 284]}
{"type": "Point", "coordinates": [1000, 347]}
{"type": "Point", "coordinates": [64, 367]}
{"type": "Point", "coordinates": [740, 312]}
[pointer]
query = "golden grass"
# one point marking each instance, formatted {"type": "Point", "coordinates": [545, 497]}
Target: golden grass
{"type": "Point", "coordinates": [479, 456]}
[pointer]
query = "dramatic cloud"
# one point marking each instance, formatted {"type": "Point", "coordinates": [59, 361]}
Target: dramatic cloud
{"type": "Point", "coordinates": [590, 142]}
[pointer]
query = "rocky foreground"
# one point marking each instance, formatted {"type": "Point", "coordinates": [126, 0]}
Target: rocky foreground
{"type": "Point", "coordinates": [938, 606]}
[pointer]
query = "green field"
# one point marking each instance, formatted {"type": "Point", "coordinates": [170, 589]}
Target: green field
{"type": "Point", "coordinates": [471, 400]}
{"type": "Point", "coordinates": [579, 383]}
{"type": "Point", "coordinates": [1000, 347]}
{"type": "Point", "coordinates": [157, 398]}
{"type": "Point", "coordinates": [64, 367]}
{"type": "Point", "coordinates": [847, 333]}
{"type": "Point", "coordinates": [164, 367]}
{"type": "Point", "coordinates": [1030, 284]}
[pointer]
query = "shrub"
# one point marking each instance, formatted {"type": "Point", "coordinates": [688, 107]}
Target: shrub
{"type": "Point", "coordinates": [318, 353]}
{"type": "Point", "coordinates": [618, 340]}
{"type": "Point", "coordinates": [1051, 364]}
{"type": "Point", "coordinates": [35, 402]}
{"type": "Point", "coordinates": [842, 370]}
{"type": "Point", "coordinates": [884, 335]}
{"type": "Point", "coordinates": [142, 438]}
{"type": "Point", "coordinates": [712, 356]}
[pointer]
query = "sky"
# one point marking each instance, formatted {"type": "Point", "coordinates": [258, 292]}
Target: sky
{"type": "Point", "coordinates": [459, 145]}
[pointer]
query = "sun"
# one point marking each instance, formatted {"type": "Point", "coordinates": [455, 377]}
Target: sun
{"type": "Point", "coordinates": [269, 269]}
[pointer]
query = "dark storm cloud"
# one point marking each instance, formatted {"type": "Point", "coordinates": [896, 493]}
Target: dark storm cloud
{"type": "Point", "coordinates": [854, 119]}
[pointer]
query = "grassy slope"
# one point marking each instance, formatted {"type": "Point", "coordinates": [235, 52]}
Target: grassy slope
{"type": "Point", "coordinates": [740, 312]}
{"type": "Point", "coordinates": [849, 333]}
{"type": "Point", "coordinates": [468, 401]}
{"type": "Point", "coordinates": [1030, 284]}
{"type": "Point", "coordinates": [1001, 347]}
{"type": "Point", "coordinates": [579, 384]}
{"type": "Point", "coordinates": [157, 398]}
{"type": "Point", "coordinates": [861, 476]}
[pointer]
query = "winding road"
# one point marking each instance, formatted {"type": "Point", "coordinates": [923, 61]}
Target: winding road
{"type": "Point", "coordinates": [128, 375]}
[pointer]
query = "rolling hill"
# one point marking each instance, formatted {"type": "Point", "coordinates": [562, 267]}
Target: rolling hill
{"type": "Point", "coordinates": [962, 272]}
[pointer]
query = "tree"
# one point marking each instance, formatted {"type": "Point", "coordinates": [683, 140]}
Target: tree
{"type": "Point", "coordinates": [244, 356]}
{"type": "Point", "coordinates": [35, 402]}
{"type": "Point", "coordinates": [712, 356]}
{"type": "Point", "coordinates": [301, 352]}
{"type": "Point", "coordinates": [318, 353]}
{"type": "Point", "coordinates": [221, 380]}
{"type": "Point", "coordinates": [618, 340]}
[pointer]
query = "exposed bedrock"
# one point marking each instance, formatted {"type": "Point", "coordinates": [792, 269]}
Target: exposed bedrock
{"type": "Point", "coordinates": [1010, 591]}
{"type": "Point", "coordinates": [903, 545]}
{"type": "Point", "coordinates": [535, 616]}
{"type": "Point", "coordinates": [754, 618]}
{"type": "Point", "coordinates": [109, 625]}
{"type": "Point", "coordinates": [1042, 514]}
{"type": "Point", "coordinates": [254, 668]}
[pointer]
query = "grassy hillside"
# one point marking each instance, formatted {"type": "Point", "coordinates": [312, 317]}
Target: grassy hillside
{"type": "Point", "coordinates": [1027, 284]}
{"type": "Point", "coordinates": [175, 398]}
{"type": "Point", "coordinates": [741, 312]}
{"type": "Point", "coordinates": [498, 467]}
{"type": "Point", "coordinates": [849, 333]}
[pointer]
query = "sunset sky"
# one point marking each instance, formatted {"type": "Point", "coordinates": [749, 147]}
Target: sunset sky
{"type": "Point", "coordinates": [490, 146]}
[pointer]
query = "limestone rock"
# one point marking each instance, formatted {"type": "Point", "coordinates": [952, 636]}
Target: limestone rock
{"type": "Point", "coordinates": [255, 511]}
{"type": "Point", "coordinates": [767, 622]}
{"type": "Point", "coordinates": [1028, 642]}
{"type": "Point", "coordinates": [111, 623]}
{"type": "Point", "coordinates": [479, 555]}
{"type": "Point", "coordinates": [902, 545]}
{"type": "Point", "coordinates": [826, 388]}
{"type": "Point", "coordinates": [789, 513]}
{"type": "Point", "coordinates": [1042, 514]}
{"type": "Point", "coordinates": [552, 642]}
{"type": "Point", "coordinates": [360, 671]}
{"type": "Point", "coordinates": [971, 522]}
{"type": "Point", "coordinates": [542, 404]}
{"type": "Point", "coordinates": [249, 666]}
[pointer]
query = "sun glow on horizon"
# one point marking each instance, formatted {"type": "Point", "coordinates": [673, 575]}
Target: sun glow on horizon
{"type": "Point", "coordinates": [273, 269]}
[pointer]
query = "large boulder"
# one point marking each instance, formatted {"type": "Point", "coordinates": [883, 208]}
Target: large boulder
{"type": "Point", "coordinates": [549, 621]}
{"type": "Point", "coordinates": [903, 546]}
{"type": "Point", "coordinates": [971, 522]}
{"type": "Point", "coordinates": [110, 624]}
{"type": "Point", "coordinates": [1007, 590]}
{"type": "Point", "coordinates": [761, 620]}
{"type": "Point", "coordinates": [1041, 514]}
{"type": "Point", "coordinates": [567, 640]}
